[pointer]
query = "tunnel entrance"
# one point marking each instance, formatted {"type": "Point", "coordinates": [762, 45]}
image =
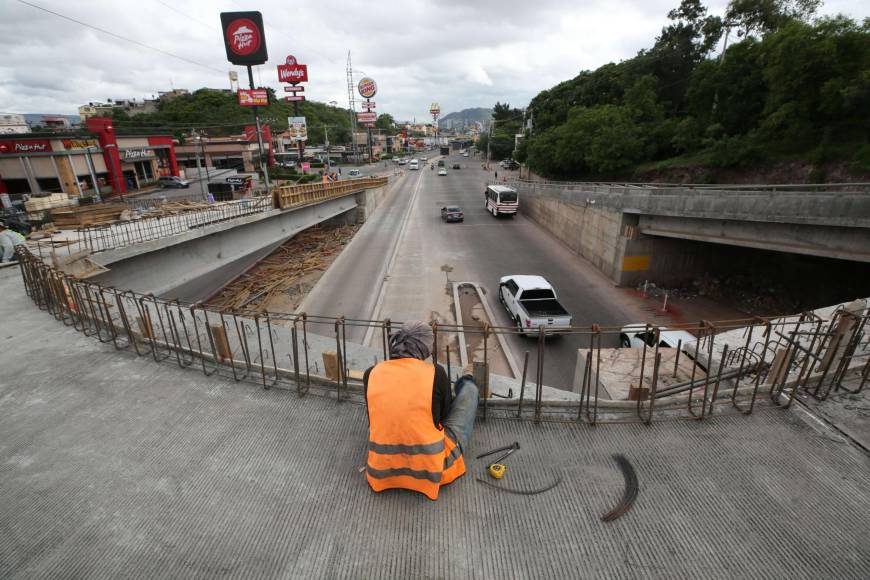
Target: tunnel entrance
{"type": "Point", "coordinates": [754, 281]}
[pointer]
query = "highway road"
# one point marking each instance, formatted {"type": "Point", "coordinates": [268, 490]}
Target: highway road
{"type": "Point", "coordinates": [406, 244]}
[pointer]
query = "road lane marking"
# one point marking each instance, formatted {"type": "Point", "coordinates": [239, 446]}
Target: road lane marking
{"type": "Point", "coordinates": [375, 313]}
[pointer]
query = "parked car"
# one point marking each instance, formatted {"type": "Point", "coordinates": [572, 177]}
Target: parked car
{"type": "Point", "coordinates": [442, 171]}
{"type": "Point", "coordinates": [353, 173]}
{"type": "Point", "coordinates": [173, 181]}
{"type": "Point", "coordinates": [531, 303]}
{"type": "Point", "coordinates": [455, 166]}
{"type": "Point", "coordinates": [635, 335]}
{"type": "Point", "coordinates": [452, 213]}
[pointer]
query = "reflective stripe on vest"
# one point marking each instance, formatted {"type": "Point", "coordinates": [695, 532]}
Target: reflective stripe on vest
{"type": "Point", "coordinates": [406, 450]}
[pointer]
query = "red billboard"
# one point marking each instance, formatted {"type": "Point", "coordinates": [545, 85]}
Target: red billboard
{"type": "Point", "coordinates": [244, 37]}
{"type": "Point", "coordinates": [253, 97]}
{"type": "Point", "coordinates": [25, 146]}
{"type": "Point", "coordinates": [366, 117]}
{"type": "Point", "coordinates": [293, 73]}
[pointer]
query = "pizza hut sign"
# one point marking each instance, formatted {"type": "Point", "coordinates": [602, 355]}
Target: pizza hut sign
{"type": "Point", "coordinates": [243, 37]}
{"type": "Point", "coordinates": [29, 146]}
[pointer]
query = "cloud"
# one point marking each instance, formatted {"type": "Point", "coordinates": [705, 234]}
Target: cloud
{"type": "Point", "coordinates": [454, 52]}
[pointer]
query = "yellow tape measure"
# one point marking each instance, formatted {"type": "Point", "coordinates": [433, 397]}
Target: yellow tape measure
{"type": "Point", "coordinates": [496, 470]}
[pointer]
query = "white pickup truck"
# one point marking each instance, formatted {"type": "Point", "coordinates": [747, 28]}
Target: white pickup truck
{"type": "Point", "coordinates": [531, 303]}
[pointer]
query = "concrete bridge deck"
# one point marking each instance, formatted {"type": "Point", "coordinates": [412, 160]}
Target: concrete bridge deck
{"type": "Point", "coordinates": [116, 466]}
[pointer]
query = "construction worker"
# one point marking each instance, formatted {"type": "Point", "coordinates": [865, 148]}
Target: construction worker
{"type": "Point", "coordinates": [418, 430]}
{"type": "Point", "coordinates": [8, 240]}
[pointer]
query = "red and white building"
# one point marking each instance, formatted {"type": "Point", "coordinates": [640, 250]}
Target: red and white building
{"type": "Point", "coordinates": [82, 164]}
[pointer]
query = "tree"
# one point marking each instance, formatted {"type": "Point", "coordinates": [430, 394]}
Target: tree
{"type": "Point", "coordinates": [764, 16]}
{"type": "Point", "coordinates": [386, 122]}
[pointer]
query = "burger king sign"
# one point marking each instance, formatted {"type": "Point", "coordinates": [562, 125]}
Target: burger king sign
{"type": "Point", "coordinates": [244, 38]}
{"type": "Point", "coordinates": [367, 87]}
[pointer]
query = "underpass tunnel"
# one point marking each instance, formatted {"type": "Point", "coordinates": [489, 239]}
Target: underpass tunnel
{"type": "Point", "coordinates": [756, 281]}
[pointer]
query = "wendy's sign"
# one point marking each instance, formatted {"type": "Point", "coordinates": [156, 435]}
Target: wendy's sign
{"type": "Point", "coordinates": [244, 37]}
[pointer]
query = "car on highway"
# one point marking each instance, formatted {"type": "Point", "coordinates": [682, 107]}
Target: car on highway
{"type": "Point", "coordinates": [173, 181]}
{"type": "Point", "coordinates": [442, 171]}
{"type": "Point", "coordinates": [452, 213]}
{"type": "Point", "coordinates": [531, 303]}
{"type": "Point", "coordinates": [440, 163]}
{"type": "Point", "coordinates": [354, 173]}
{"type": "Point", "coordinates": [455, 166]}
{"type": "Point", "coordinates": [403, 161]}
{"type": "Point", "coordinates": [636, 335]}
{"type": "Point", "coordinates": [465, 154]}
{"type": "Point", "coordinates": [414, 164]}
{"type": "Point", "coordinates": [424, 158]}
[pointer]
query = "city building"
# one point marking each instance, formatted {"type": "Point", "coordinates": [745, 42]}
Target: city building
{"type": "Point", "coordinates": [84, 163]}
{"type": "Point", "coordinates": [234, 152]}
{"type": "Point", "coordinates": [129, 106]}
{"type": "Point", "coordinates": [13, 124]}
{"type": "Point", "coordinates": [55, 122]}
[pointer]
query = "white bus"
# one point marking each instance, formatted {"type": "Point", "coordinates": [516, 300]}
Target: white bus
{"type": "Point", "coordinates": [414, 164]}
{"type": "Point", "coordinates": [501, 199]}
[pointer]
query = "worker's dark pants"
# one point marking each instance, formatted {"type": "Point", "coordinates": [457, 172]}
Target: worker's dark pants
{"type": "Point", "coordinates": [460, 419]}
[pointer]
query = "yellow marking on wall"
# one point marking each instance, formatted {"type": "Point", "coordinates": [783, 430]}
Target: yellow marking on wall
{"type": "Point", "coordinates": [635, 263]}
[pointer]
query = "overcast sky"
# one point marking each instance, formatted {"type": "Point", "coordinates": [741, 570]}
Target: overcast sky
{"type": "Point", "coordinates": [459, 53]}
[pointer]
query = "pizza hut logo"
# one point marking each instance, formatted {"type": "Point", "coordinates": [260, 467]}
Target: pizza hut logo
{"type": "Point", "coordinates": [243, 37]}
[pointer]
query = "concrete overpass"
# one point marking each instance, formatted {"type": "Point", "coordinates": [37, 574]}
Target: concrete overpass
{"type": "Point", "coordinates": [193, 259]}
{"type": "Point", "coordinates": [634, 232]}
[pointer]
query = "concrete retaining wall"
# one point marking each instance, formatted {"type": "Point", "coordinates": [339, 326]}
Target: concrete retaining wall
{"type": "Point", "coordinates": [594, 233]}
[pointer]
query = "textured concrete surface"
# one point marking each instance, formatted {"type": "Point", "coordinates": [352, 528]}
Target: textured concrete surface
{"type": "Point", "coordinates": [114, 466]}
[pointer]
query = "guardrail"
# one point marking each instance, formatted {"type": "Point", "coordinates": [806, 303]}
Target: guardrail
{"type": "Point", "coordinates": [288, 196]}
{"type": "Point", "coordinates": [101, 237]}
{"type": "Point", "coordinates": [785, 187]}
{"type": "Point", "coordinates": [771, 357]}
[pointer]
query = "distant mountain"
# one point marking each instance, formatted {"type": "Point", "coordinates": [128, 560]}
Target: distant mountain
{"type": "Point", "coordinates": [465, 117]}
{"type": "Point", "coordinates": [35, 119]}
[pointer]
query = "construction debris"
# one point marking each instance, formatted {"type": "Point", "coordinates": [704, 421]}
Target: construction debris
{"type": "Point", "coordinates": [282, 271]}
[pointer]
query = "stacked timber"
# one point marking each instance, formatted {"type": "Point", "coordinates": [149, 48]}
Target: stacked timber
{"type": "Point", "coordinates": [86, 215]}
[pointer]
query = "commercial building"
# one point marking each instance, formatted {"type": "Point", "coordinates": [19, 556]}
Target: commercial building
{"type": "Point", "coordinates": [98, 161]}
{"type": "Point", "coordinates": [239, 152]}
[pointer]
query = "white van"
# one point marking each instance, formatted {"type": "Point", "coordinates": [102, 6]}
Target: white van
{"type": "Point", "coordinates": [414, 164]}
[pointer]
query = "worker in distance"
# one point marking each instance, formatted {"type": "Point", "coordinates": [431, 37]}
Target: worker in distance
{"type": "Point", "coordinates": [418, 429]}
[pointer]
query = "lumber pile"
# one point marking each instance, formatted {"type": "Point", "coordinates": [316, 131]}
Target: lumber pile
{"type": "Point", "coordinates": [283, 270]}
{"type": "Point", "coordinates": [35, 204]}
{"type": "Point", "coordinates": [76, 217]}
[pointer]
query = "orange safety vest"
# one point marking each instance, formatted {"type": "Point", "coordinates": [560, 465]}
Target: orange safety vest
{"type": "Point", "coordinates": [406, 450]}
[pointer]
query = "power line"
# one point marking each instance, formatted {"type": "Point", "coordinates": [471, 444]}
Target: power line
{"type": "Point", "coordinates": [118, 36]}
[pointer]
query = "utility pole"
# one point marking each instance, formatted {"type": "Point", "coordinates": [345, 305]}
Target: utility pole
{"type": "Point", "coordinates": [201, 140]}
{"type": "Point", "coordinates": [352, 106]}
{"type": "Point", "coordinates": [326, 138]}
{"type": "Point", "coordinates": [263, 164]}
{"type": "Point", "coordinates": [198, 167]}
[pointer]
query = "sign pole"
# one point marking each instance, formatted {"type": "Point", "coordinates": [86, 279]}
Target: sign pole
{"type": "Point", "coordinates": [299, 144]}
{"type": "Point", "coordinates": [263, 163]}
{"type": "Point", "coordinates": [371, 158]}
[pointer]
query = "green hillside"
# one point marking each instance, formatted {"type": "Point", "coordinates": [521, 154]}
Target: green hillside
{"type": "Point", "coordinates": [789, 88]}
{"type": "Point", "coordinates": [219, 113]}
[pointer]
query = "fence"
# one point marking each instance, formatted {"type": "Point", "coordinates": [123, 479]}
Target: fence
{"type": "Point", "coordinates": [767, 359]}
{"type": "Point", "coordinates": [97, 238]}
{"type": "Point", "coordinates": [288, 196]}
{"type": "Point", "coordinates": [100, 237]}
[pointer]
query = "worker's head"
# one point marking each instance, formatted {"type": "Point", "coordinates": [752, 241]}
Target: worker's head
{"type": "Point", "coordinates": [413, 340]}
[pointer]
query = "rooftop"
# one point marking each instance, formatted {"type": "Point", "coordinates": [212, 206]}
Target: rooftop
{"type": "Point", "coordinates": [115, 465]}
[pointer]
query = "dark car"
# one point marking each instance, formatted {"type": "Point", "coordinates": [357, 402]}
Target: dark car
{"type": "Point", "coordinates": [452, 213]}
{"type": "Point", "coordinates": [455, 166]}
